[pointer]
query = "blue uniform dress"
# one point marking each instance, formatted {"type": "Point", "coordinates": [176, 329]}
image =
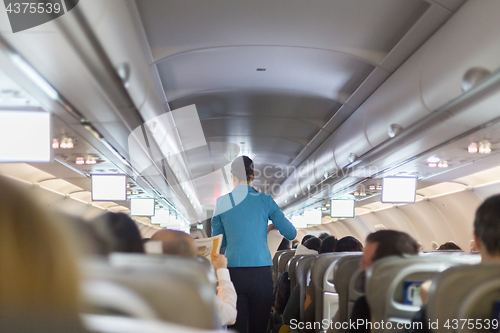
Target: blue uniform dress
{"type": "Point", "coordinates": [242, 218]}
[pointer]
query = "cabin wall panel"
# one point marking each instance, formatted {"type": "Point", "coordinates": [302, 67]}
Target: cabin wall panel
{"type": "Point", "coordinates": [429, 223]}
{"type": "Point", "coordinates": [459, 210]}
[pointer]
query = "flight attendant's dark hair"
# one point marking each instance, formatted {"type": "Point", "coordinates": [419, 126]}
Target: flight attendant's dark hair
{"type": "Point", "coordinates": [242, 168]}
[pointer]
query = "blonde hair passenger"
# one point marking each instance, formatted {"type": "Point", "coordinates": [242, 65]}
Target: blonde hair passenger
{"type": "Point", "coordinates": [38, 268]}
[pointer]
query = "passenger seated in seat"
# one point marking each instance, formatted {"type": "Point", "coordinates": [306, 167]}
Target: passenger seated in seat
{"type": "Point", "coordinates": [179, 243]}
{"type": "Point", "coordinates": [176, 243]}
{"type": "Point", "coordinates": [348, 244]}
{"type": "Point", "coordinates": [323, 236]}
{"type": "Point", "coordinates": [449, 246]}
{"type": "Point", "coordinates": [292, 308]}
{"type": "Point", "coordinates": [284, 245]}
{"type": "Point", "coordinates": [487, 230]}
{"type": "Point", "coordinates": [39, 278]}
{"type": "Point", "coordinates": [311, 246]}
{"type": "Point", "coordinates": [328, 244]}
{"type": "Point", "coordinates": [119, 232]}
{"type": "Point", "coordinates": [486, 241]}
{"type": "Point", "coordinates": [380, 244]}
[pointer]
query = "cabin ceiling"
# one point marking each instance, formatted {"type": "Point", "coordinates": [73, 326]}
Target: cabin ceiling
{"type": "Point", "coordinates": [278, 77]}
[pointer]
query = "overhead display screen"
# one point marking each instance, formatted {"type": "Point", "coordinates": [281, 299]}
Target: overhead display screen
{"type": "Point", "coordinates": [342, 208]}
{"type": "Point", "coordinates": [142, 207]}
{"type": "Point", "coordinates": [25, 136]}
{"type": "Point", "coordinates": [109, 187]}
{"type": "Point", "coordinates": [299, 221]}
{"type": "Point", "coordinates": [399, 189]}
{"type": "Point", "coordinates": [313, 216]}
{"type": "Point", "coordinates": [161, 217]}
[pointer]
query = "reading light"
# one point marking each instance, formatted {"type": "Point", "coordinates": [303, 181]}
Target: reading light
{"type": "Point", "coordinates": [433, 165]}
{"type": "Point", "coordinates": [55, 144]}
{"type": "Point", "coordinates": [362, 194]}
{"type": "Point", "coordinates": [484, 147]}
{"type": "Point", "coordinates": [372, 187]}
{"type": "Point", "coordinates": [356, 193]}
{"type": "Point", "coordinates": [90, 160]}
{"type": "Point", "coordinates": [66, 143]}
{"type": "Point", "coordinates": [379, 187]}
{"type": "Point", "coordinates": [443, 164]}
{"type": "Point", "coordinates": [128, 185]}
{"type": "Point", "coordinates": [327, 205]}
{"type": "Point", "coordinates": [80, 161]}
{"type": "Point", "coordinates": [472, 149]}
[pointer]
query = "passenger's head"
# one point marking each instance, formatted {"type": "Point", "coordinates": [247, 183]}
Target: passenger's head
{"type": "Point", "coordinates": [328, 244]}
{"type": "Point", "coordinates": [242, 170]}
{"type": "Point", "coordinates": [385, 243]}
{"type": "Point", "coordinates": [305, 238]}
{"type": "Point", "coordinates": [348, 244]}
{"type": "Point", "coordinates": [284, 245]}
{"type": "Point", "coordinates": [449, 246]}
{"type": "Point", "coordinates": [176, 243]}
{"type": "Point", "coordinates": [323, 236]}
{"type": "Point", "coordinates": [38, 269]}
{"type": "Point", "coordinates": [120, 231]}
{"type": "Point", "coordinates": [313, 243]}
{"type": "Point", "coordinates": [487, 229]}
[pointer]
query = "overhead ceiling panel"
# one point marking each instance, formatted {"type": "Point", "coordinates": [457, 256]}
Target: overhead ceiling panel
{"type": "Point", "coordinates": [367, 29]}
{"type": "Point", "coordinates": [287, 69]}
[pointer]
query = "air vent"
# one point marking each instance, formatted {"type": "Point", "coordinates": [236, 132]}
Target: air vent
{"type": "Point", "coordinates": [261, 69]}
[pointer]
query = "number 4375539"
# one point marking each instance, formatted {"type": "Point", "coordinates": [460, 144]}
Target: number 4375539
{"type": "Point", "coordinates": [34, 8]}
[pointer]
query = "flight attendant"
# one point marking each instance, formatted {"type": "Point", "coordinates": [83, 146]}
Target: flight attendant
{"type": "Point", "coordinates": [242, 218]}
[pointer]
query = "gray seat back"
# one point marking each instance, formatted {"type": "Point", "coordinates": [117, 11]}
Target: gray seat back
{"type": "Point", "coordinates": [464, 292]}
{"type": "Point", "coordinates": [326, 297]}
{"type": "Point", "coordinates": [292, 269]}
{"type": "Point", "coordinates": [348, 282]}
{"type": "Point", "coordinates": [275, 267]}
{"type": "Point", "coordinates": [170, 285]}
{"type": "Point", "coordinates": [283, 261]}
{"type": "Point", "coordinates": [303, 273]}
{"type": "Point", "coordinates": [386, 279]}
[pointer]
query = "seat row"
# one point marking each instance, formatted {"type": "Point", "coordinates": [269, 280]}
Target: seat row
{"type": "Point", "coordinates": [151, 287]}
{"type": "Point", "coordinates": [331, 283]}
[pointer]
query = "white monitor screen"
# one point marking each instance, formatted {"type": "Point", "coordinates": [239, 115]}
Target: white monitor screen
{"type": "Point", "coordinates": [142, 207]}
{"type": "Point", "coordinates": [161, 216]}
{"type": "Point", "coordinates": [313, 216]}
{"type": "Point", "coordinates": [25, 136]}
{"type": "Point", "coordinates": [299, 221]}
{"type": "Point", "coordinates": [342, 208]}
{"type": "Point", "coordinates": [109, 187]}
{"type": "Point", "coordinates": [399, 189]}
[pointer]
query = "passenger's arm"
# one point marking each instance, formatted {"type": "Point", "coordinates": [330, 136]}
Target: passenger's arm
{"type": "Point", "coordinates": [281, 223]}
{"type": "Point", "coordinates": [225, 301]}
{"type": "Point", "coordinates": [217, 227]}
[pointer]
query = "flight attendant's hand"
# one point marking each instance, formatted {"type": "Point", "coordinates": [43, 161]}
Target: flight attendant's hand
{"type": "Point", "coordinates": [219, 261]}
